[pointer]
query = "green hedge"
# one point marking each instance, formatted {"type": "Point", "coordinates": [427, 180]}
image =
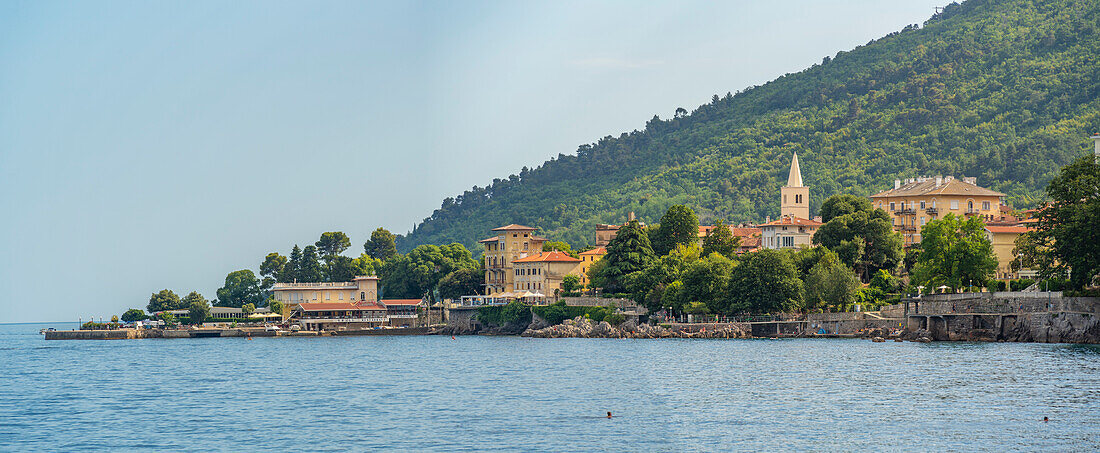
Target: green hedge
{"type": "Point", "coordinates": [500, 315]}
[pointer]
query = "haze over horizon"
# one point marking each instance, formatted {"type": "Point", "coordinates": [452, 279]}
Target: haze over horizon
{"type": "Point", "coordinates": [149, 146]}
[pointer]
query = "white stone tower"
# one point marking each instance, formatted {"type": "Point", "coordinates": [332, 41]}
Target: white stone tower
{"type": "Point", "coordinates": [795, 199]}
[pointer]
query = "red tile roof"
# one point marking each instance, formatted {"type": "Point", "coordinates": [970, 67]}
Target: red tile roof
{"type": "Point", "coordinates": [704, 230]}
{"type": "Point", "coordinates": [337, 306]}
{"type": "Point", "coordinates": [792, 220]}
{"type": "Point", "coordinates": [492, 239]}
{"type": "Point", "coordinates": [513, 227]}
{"type": "Point", "coordinates": [946, 187]}
{"type": "Point", "coordinates": [1006, 229]}
{"type": "Point", "coordinates": [595, 251]}
{"type": "Point", "coordinates": [544, 257]}
{"type": "Point", "coordinates": [401, 301]}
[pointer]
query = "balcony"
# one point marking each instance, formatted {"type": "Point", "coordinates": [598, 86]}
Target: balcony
{"type": "Point", "coordinates": [932, 211]}
{"type": "Point", "coordinates": [906, 211]}
{"type": "Point", "coordinates": [971, 212]}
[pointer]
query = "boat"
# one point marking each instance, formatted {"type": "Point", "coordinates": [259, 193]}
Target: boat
{"type": "Point", "coordinates": [43, 331]}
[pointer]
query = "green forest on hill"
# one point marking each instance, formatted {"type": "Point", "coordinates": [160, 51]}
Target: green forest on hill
{"type": "Point", "coordinates": [1006, 91]}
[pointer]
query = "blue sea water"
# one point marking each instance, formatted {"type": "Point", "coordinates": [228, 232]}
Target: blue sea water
{"type": "Point", "coordinates": [518, 394]}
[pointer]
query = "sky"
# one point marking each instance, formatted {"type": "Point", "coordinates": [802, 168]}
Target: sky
{"type": "Point", "coordinates": [151, 145]}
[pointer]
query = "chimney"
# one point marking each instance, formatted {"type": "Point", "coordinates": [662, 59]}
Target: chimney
{"type": "Point", "coordinates": [768, 219]}
{"type": "Point", "coordinates": [897, 183]}
{"type": "Point", "coordinates": [939, 181]}
{"type": "Point", "coordinates": [970, 180]}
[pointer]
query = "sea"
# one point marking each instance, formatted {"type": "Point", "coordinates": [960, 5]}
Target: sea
{"type": "Point", "coordinates": [481, 393]}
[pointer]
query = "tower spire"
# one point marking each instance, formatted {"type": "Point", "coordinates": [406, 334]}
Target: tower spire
{"type": "Point", "coordinates": [795, 178]}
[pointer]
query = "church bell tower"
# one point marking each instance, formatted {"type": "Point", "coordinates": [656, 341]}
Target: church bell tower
{"type": "Point", "coordinates": [795, 199]}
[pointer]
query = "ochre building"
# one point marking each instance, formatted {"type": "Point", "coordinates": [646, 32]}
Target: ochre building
{"type": "Point", "coordinates": [917, 201]}
{"type": "Point", "coordinates": [511, 243]}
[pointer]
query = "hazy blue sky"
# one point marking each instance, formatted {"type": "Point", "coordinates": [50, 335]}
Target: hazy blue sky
{"type": "Point", "coordinates": [149, 145]}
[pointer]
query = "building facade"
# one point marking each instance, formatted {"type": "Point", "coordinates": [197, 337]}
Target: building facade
{"type": "Point", "coordinates": [750, 236]}
{"type": "Point", "coordinates": [543, 272]}
{"type": "Point", "coordinates": [357, 315]}
{"type": "Point", "coordinates": [917, 201]}
{"type": "Point", "coordinates": [1003, 239]}
{"type": "Point", "coordinates": [789, 233]}
{"type": "Point", "coordinates": [605, 233]}
{"type": "Point", "coordinates": [588, 258]}
{"type": "Point", "coordinates": [512, 242]}
{"type": "Point", "coordinates": [360, 290]}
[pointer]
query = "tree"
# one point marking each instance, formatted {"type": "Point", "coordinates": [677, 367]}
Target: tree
{"type": "Point", "coordinates": [1069, 226]}
{"type": "Point", "coordinates": [721, 240]}
{"type": "Point", "coordinates": [679, 225]}
{"type": "Point", "coordinates": [831, 284]}
{"type": "Point", "coordinates": [198, 308]}
{"type": "Point", "coordinates": [275, 306]}
{"type": "Point", "coordinates": [310, 270]}
{"type": "Point", "coordinates": [956, 252]}
{"type": "Point", "coordinates": [627, 253]}
{"type": "Point", "coordinates": [461, 282]}
{"type": "Point", "coordinates": [134, 314]}
{"type": "Point", "coordinates": [418, 273]}
{"type": "Point", "coordinates": [570, 283]}
{"type": "Point", "coordinates": [560, 246]}
{"type": "Point", "coordinates": [272, 269]}
{"type": "Point", "coordinates": [707, 281]}
{"type": "Point", "coordinates": [241, 287]}
{"type": "Point", "coordinates": [381, 245]}
{"type": "Point", "coordinates": [885, 282]}
{"type": "Point", "coordinates": [843, 204]}
{"type": "Point", "coordinates": [167, 318]}
{"type": "Point", "coordinates": [340, 268]}
{"type": "Point", "coordinates": [163, 300]}
{"type": "Point", "coordinates": [765, 282]}
{"type": "Point", "coordinates": [332, 243]}
{"type": "Point", "coordinates": [864, 240]}
{"type": "Point", "coordinates": [293, 266]}
{"type": "Point", "coordinates": [248, 309]}
{"type": "Point", "coordinates": [114, 319]}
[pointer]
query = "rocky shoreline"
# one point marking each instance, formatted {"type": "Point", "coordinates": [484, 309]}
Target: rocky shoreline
{"type": "Point", "coordinates": [586, 328]}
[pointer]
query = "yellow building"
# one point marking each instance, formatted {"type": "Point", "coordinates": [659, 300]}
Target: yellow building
{"type": "Point", "coordinates": [359, 290]}
{"type": "Point", "coordinates": [789, 233]}
{"type": "Point", "coordinates": [588, 257]}
{"type": "Point", "coordinates": [917, 201]}
{"type": "Point", "coordinates": [1003, 239]}
{"type": "Point", "coordinates": [511, 243]}
{"type": "Point", "coordinates": [542, 272]}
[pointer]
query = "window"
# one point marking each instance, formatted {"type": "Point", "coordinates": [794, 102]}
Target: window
{"type": "Point", "coordinates": [340, 296]}
{"type": "Point", "coordinates": [969, 206]}
{"type": "Point", "coordinates": [954, 204]}
{"type": "Point", "coordinates": [524, 234]}
{"type": "Point", "coordinates": [525, 246]}
{"type": "Point", "coordinates": [922, 221]}
{"type": "Point", "coordinates": [784, 199]}
{"type": "Point", "coordinates": [788, 241]}
{"type": "Point", "coordinates": [891, 205]}
{"type": "Point", "coordinates": [922, 204]}
{"type": "Point", "coordinates": [985, 205]}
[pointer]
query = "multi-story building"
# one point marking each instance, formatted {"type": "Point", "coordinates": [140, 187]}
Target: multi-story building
{"type": "Point", "coordinates": [588, 258]}
{"type": "Point", "coordinates": [543, 272]}
{"type": "Point", "coordinates": [357, 315]}
{"type": "Point", "coordinates": [917, 201]}
{"type": "Point", "coordinates": [359, 290]}
{"type": "Point", "coordinates": [789, 233]}
{"type": "Point", "coordinates": [605, 233]}
{"type": "Point", "coordinates": [511, 243]}
{"type": "Point", "coordinates": [1003, 239]}
{"type": "Point", "coordinates": [749, 235]}
{"type": "Point", "coordinates": [795, 197]}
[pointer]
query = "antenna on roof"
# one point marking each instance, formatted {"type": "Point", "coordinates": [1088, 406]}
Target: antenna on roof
{"type": "Point", "coordinates": [939, 9]}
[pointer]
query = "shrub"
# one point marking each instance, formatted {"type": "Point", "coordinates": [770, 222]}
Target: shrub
{"type": "Point", "coordinates": [1021, 284]}
{"type": "Point", "coordinates": [514, 312]}
{"type": "Point", "coordinates": [996, 285]}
